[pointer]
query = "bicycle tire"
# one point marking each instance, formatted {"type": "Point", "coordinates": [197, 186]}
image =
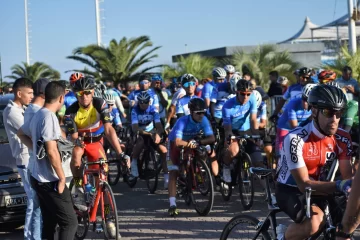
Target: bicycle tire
{"type": "Point", "coordinates": [243, 219]}
{"type": "Point", "coordinates": [207, 209]}
{"type": "Point", "coordinates": [114, 179]}
{"type": "Point", "coordinates": [154, 175]}
{"type": "Point", "coordinates": [244, 176]}
{"type": "Point", "coordinates": [105, 185]}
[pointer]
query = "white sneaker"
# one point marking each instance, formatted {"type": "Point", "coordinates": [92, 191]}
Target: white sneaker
{"type": "Point", "coordinates": [111, 229]}
{"type": "Point", "coordinates": [273, 199]}
{"type": "Point", "coordinates": [79, 199]}
{"type": "Point", "coordinates": [227, 174]}
{"type": "Point", "coordinates": [166, 180]}
{"type": "Point", "coordinates": [280, 231]}
{"type": "Point", "coordinates": [134, 169]}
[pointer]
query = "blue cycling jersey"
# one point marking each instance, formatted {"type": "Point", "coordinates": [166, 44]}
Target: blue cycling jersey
{"type": "Point", "coordinates": [261, 113]}
{"type": "Point", "coordinates": [294, 91]}
{"type": "Point", "coordinates": [115, 116]}
{"type": "Point", "coordinates": [154, 100]}
{"type": "Point", "coordinates": [293, 111]}
{"type": "Point", "coordinates": [145, 119]}
{"type": "Point", "coordinates": [207, 90]}
{"type": "Point", "coordinates": [70, 98]}
{"type": "Point", "coordinates": [186, 128]}
{"type": "Point", "coordinates": [219, 96]}
{"type": "Point", "coordinates": [237, 115]}
{"type": "Point", "coordinates": [182, 104]}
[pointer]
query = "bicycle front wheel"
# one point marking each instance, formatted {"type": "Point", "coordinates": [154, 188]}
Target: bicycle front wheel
{"type": "Point", "coordinates": [244, 227]}
{"type": "Point", "coordinates": [111, 221]}
{"type": "Point", "coordinates": [246, 182]}
{"type": "Point", "coordinates": [152, 175]}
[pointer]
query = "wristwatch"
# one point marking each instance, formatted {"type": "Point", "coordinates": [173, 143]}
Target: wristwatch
{"type": "Point", "coordinates": [340, 233]}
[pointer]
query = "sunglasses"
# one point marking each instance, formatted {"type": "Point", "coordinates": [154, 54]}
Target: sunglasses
{"type": "Point", "coordinates": [110, 105]}
{"type": "Point", "coordinates": [143, 82]}
{"type": "Point", "coordinates": [189, 84]}
{"type": "Point", "coordinates": [200, 112]}
{"type": "Point", "coordinates": [330, 113]}
{"type": "Point", "coordinates": [143, 102]}
{"type": "Point", "coordinates": [158, 82]}
{"type": "Point", "coordinates": [244, 93]}
{"type": "Point", "coordinates": [81, 93]}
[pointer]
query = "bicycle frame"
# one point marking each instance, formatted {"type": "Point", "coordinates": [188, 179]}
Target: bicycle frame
{"type": "Point", "coordinates": [189, 164]}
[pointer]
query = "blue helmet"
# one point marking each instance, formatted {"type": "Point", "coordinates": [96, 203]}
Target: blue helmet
{"type": "Point", "coordinates": [156, 77]}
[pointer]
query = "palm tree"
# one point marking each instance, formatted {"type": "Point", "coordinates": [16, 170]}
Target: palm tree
{"type": "Point", "coordinates": [264, 59]}
{"type": "Point", "coordinates": [34, 71]}
{"type": "Point", "coordinates": [121, 61]}
{"type": "Point", "coordinates": [195, 64]}
{"type": "Point", "coordinates": [345, 58]}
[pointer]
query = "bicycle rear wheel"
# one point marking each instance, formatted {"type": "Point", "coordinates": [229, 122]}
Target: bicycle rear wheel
{"type": "Point", "coordinates": [246, 182]}
{"type": "Point", "coordinates": [111, 221]}
{"type": "Point", "coordinates": [243, 227]}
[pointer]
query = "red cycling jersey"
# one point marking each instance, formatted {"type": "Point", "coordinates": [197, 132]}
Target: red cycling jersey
{"type": "Point", "coordinates": [306, 146]}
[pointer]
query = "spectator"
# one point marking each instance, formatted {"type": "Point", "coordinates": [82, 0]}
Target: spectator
{"type": "Point", "coordinates": [247, 76]}
{"type": "Point", "coordinates": [262, 92]}
{"type": "Point", "coordinates": [283, 81]}
{"type": "Point", "coordinates": [13, 118]}
{"type": "Point", "coordinates": [48, 177]}
{"type": "Point", "coordinates": [275, 87]}
{"type": "Point", "coordinates": [350, 84]}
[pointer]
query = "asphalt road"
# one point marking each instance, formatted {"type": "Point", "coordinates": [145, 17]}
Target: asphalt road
{"type": "Point", "coordinates": [144, 216]}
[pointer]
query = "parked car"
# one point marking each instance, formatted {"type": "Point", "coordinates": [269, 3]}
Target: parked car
{"type": "Point", "coordinates": [13, 198]}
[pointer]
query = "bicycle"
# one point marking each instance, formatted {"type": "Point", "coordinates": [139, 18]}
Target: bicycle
{"type": "Point", "coordinates": [195, 181]}
{"type": "Point", "coordinates": [266, 229]}
{"type": "Point", "coordinates": [240, 175]}
{"type": "Point", "coordinates": [103, 193]}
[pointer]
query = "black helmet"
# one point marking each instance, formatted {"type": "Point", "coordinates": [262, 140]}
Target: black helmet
{"type": "Point", "coordinates": [197, 104]}
{"type": "Point", "coordinates": [187, 77]}
{"type": "Point", "coordinates": [143, 97]}
{"type": "Point", "coordinates": [304, 72]}
{"type": "Point", "coordinates": [243, 85]}
{"type": "Point", "coordinates": [84, 83]}
{"type": "Point", "coordinates": [327, 96]}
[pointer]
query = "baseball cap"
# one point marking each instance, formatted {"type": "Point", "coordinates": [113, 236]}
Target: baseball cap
{"type": "Point", "coordinates": [39, 86]}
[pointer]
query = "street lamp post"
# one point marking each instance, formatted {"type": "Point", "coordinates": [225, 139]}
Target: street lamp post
{"type": "Point", "coordinates": [352, 34]}
{"type": "Point", "coordinates": [27, 33]}
{"type": "Point", "coordinates": [98, 26]}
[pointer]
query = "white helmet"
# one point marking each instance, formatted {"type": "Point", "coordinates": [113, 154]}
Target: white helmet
{"type": "Point", "coordinates": [307, 89]}
{"type": "Point", "coordinates": [109, 98]}
{"type": "Point", "coordinates": [218, 73]}
{"type": "Point", "coordinates": [282, 80]}
{"type": "Point", "coordinates": [233, 80]}
{"type": "Point", "coordinates": [258, 98]}
{"type": "Point", "coordinates": [333, 83]}
{"type": "Point", "coordinates": [229, 69]}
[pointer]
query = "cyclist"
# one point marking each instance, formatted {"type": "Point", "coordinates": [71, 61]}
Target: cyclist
{"type": "Point", "coordinates": [113, 111]}
{"type": "Point", "coordinates": [326, 76]}
{"type": "Point", "coordinates": [110, 89]}
{"type": "Point", "coordinates": [143, 117]}
{"type": "Point", "coordinates": [219, 75]}
{"type": "Point", "coordinates": [144, 84]}
{"type": "Point", "coordinates": [183, 135]}
{"type": "Point", "coordinates": [91, 120]}
{"type": "Point", "coordinates": [230, 70]}
{"type": "Point", "coordinates": [239, 118]}
{"type": "Point", "coordinates": [283, 81]}
{"type": "Point", "coordinates": [156, 84]}
{"type": "Point", "coordinates": [219, 96]}
{"type": "Point", "coordinates": [305, 151]}
{"type": "Point", "coordinates": [70, 97]}
{"type": "Point", "coordinates": [171, 118]}
{"type": "Point", "coordinates": [295, 112]}
{"type": "Point", "coordinates": [188, 82]}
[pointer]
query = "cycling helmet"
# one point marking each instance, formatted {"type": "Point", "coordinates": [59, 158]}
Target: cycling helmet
{"type": "Point", "coordinates": [258, 98]}
{"type": "Point", "coordinates": [307, 89]}
{"type": "Point", "coordinates": [326, 76]}
{"type": "Point", "coordinates": [66, 84]}
{"type": "Point", "coordinates": [156, 77]}
{"type": "Point", "coordinates": [84, 83]}
{"type": "Point", "coordinates": [75, 76]}
{"type": "Point", "coordinates": [219, 73]}
{"type": "Point", "coordinates": [143, 97]}
{"type": "Point", "coordinates": [109, 98]}
{"type": "Point", "coordinates": [282, 80]}
{"type": "Point", "coordinates": [187, 77]}
{"type": "Point", "coordinates": [233, 80]}
{"type": "Point", "coordinates": [327, 96]}
{"type": "Point", "coordinates": [229, 68]}
{"type": "Point", "coordinates": [98, 94]}
{"type": "Point", "coordinates": [243, 85]}
{"type": "Point", "coordinates": [335, 84]}
{"type": "Point", "coordinates": [197, 104]}
{"type": "Point", "coordinates": [304, 72]}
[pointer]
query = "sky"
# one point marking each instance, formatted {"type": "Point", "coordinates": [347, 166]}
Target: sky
{"type": "Point", "coordinates": [57, 27]}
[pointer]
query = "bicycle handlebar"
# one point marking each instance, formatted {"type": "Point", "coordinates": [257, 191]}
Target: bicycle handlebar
{"type": "Point", "coordinates": [100, 161]}
{"type": "Point", "coordinates": [244, 137]}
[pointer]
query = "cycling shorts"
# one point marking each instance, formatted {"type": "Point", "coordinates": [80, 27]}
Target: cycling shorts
{"type": "Point", "coordinates": [94, 151]}
{"type": "Point", "coordinates": [280, 135]}
{"type": "Point", "coordinates": [251, 148]}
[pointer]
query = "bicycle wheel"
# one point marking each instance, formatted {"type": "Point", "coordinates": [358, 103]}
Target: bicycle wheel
{"type": "Point", "coordinates": [203, 183]}
{"type": "Point", "coordinates": [152, 175]}
{"type": "Point", "coordinates": [83, 219]}
{"type": "Point", "coordinates": [233, 230]}
{"type": "Point", "coordinates": [111, 221]}
{"type": "Point", "coordinates": [246, 182]}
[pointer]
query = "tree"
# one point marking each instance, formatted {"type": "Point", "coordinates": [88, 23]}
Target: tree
{"type": "Point", "coordinates": [195, 64]}
{"type": "Point", "coordinates": [34, 71]}
{"type": "Point", "coordinates": [261, 61]}
{"type": "Point", "coordinates": [345, 58]}
{"type": "Point", "coordinates": [121, 61]}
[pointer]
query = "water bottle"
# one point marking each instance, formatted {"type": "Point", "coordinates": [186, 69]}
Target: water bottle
{"type": "Point", "coordinates": [92, 196]}
{"type": "Point", "coordinates": [88, 189]}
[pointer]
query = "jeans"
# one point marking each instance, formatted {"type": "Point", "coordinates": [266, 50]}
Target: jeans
{"type": "Point", "coordinates": [56, 209]}
{"type": "Point", "coordinates": [32, 228]}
